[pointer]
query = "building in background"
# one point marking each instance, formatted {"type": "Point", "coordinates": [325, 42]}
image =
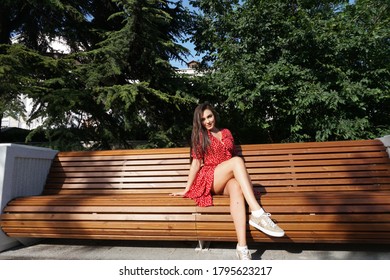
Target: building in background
{"type": "Point", "coordinates": [59, 46]}
{"type": "Point", "coordinates": [21, 122]}
{"type": "Point", "coordinates": [192, 68]}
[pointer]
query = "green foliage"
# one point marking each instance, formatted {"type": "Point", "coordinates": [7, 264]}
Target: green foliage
{"type": "Point", "coordinates": [301, 70]}
{"type": "Point", "coordinates": [25, 72]}
{"type": "Point", "coordinates": [129, 75]}
{"type": "Point", "coordinates": [116, 86]}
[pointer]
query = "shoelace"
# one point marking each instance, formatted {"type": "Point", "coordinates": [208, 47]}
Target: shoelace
{"type": "Point", "coordinates": [245, 254]}
{"type": "Point", "coordinates": [269, 220]}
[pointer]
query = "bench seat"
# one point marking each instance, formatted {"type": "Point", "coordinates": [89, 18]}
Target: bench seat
{"type": "Point", "coordinates": [320, 192]}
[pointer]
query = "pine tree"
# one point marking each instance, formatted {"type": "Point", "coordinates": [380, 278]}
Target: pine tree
{"type": "Point", "coordinates": [116, 85]}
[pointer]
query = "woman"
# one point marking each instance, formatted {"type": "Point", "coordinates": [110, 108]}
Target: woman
{"type": "Point", "coordinates": [215, 169]}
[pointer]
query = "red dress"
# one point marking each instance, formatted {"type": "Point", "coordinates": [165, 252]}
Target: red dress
{"type": "Point", "coordinates": [218, 151]}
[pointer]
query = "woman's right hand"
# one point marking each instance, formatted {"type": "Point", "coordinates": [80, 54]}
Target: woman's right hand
{"type": "Point", "coordinates": [181, 193]}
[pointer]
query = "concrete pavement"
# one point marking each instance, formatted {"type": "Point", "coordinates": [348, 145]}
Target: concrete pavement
{"type": "Point", "coordinates": [63, 249]}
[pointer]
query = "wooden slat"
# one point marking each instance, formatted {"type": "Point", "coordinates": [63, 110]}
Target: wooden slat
{"type": "Point", "coordinates": [100, 209]}
{"type": "Point", "coordinates": [147, 158]}
{"type": "Point", "coordinates": [64, 170]}
{"type": "Point", "coordinates": [210, 220]}
{"type": "Point", "coordinates": [107, 232]}
{"type": "Point", "coordinates": [152, 152]}
{"type": "Point", "coordinates": [119, 180]}
{"type": "Point", "coordinates": [116, 186]}
{"type": "Point", "coordinates": [141, 236]}
{"type": "Point", "coordinates": [302, 158]}
{"type": "Point", "coordinates": [344, 169]}
{"type": "Point", "coordinates": [163, 200]}
{"type": "Point", "coordinates": [317, 162]}
{"type": "Point", "coordinates": [309, 227]}
{"type": "Point", "coordinates": [98, 217]}
{"type": "Point", "coordinates": [104, 191]}
{"type": "Point", "coordinates": [148, 225]}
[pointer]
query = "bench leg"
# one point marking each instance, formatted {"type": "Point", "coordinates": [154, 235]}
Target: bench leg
{"type": "Point", "coordinates": [202, 245]}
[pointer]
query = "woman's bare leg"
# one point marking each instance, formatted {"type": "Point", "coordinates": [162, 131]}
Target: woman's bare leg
{"type": "Point", "coordinates": [235, 168]}
{"type": "Point", "coordinates": [237, 209]}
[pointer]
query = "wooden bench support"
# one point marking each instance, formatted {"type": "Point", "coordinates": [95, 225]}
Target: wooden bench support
{"type": "Point", "coordinates": [327, 192]}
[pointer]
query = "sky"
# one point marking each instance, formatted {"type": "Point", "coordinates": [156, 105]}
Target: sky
{"type": "Point", "coordinates": [191, 57]}
{"type": "Point", "coordinates": [188, 45]}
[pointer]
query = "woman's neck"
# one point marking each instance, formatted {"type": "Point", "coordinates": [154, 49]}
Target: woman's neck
{"type": "Point", "coordinates": [215, 130]}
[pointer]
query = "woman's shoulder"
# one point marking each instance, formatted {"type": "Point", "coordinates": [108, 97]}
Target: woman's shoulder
{"type": "Point", "coordinates": [226, 132]}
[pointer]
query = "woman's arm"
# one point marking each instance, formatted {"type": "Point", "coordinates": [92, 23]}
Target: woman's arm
{"type": "Point", "coordinates": [194, 169]}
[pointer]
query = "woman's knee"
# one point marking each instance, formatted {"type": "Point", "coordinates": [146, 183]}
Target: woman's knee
{"type": "Point", "coordinates": [237, 161]}
{"type": "Point", "coordinates": [234, 188]}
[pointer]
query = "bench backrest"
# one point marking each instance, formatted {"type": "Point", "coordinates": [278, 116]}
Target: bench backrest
{"type": "Point", "coordinates": [119, 171]}
{"type": "Point", "coordinates": [322, 166]}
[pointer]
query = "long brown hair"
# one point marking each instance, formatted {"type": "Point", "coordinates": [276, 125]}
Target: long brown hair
{"type": "Point", "coordinates": [200, 140]}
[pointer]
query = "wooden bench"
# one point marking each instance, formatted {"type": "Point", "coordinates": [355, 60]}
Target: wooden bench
{"type": "Point", "coordinates": [326, 192]}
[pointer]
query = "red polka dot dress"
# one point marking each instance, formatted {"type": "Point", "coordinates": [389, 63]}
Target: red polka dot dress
{"type": "Point", "coordinates": [218, 151]}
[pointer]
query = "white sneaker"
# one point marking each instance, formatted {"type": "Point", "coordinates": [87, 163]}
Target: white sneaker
{"type": "Point", "coordinates": [243, 254]}
{"type": "Point", "coordinates": [266, 225]}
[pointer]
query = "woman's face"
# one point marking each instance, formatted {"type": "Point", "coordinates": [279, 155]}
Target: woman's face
{"type": "Point", "coordinates": [208, 119]}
